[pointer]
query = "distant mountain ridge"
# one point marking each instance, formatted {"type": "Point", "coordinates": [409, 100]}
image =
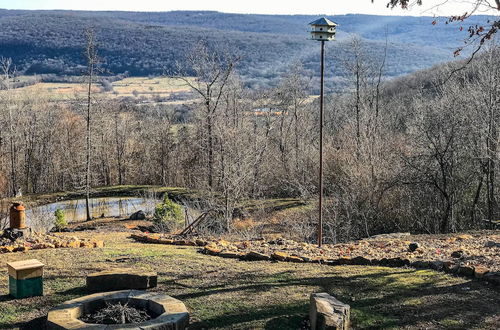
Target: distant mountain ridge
{"type": "Point", "coordinates": [143, 43]}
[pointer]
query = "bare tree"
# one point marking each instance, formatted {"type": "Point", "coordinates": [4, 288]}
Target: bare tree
{"type": "Point", "coordinates": [212, 69]}
{"type": "Point", "coordinates": [8, 71]}
{"type": "Point", "coordinates": [92, 61]}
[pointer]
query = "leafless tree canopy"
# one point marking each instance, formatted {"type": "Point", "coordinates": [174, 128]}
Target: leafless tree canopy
{"type": "Point", "coordinates": [478, 34]}
{"type": "Point", "coordinates": [412, 154]}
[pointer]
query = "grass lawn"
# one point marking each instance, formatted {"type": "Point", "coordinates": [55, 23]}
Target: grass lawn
{"type": "Point", "coordinates": [231, 294]}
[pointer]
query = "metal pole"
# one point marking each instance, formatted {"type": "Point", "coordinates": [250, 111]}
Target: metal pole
{"type": "Point", "coordinates": [320, 220]}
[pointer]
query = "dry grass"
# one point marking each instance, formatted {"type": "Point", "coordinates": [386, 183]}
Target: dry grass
{"type": "Point", "coordinates": [134, 87]}
{"type": "Point", "coordinates": [231, 294]}
{"type": "Point", "coordinates": [144, 86]}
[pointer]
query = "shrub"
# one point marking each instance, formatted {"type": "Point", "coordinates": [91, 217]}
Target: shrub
{"type": "Point", "coordinates": [168, 215]}
{"type": "Point", "coordinates": [60, 222]}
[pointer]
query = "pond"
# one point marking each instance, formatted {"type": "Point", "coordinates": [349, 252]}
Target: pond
{"type": "Point", "coordinates": [100, 207]}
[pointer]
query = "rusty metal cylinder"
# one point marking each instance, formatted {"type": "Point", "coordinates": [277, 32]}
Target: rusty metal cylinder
{"type": "Point", "coordinates": [17, 216]}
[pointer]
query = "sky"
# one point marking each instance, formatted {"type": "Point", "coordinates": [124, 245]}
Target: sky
{"type": "Point", "coordinates": [334, 7]}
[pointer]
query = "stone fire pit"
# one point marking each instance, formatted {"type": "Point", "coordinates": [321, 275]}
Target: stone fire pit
{"type": "Point", "coordinates": [168, 312]}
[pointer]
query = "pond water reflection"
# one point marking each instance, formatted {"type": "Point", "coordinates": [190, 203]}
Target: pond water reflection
{"type": "Point", "coordinates": [104, 206]}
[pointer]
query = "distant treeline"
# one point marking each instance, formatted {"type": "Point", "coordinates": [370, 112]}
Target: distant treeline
{"type": "Point", "coordinates": [141, 44]}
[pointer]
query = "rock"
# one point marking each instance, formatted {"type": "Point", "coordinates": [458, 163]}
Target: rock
{"type": "Point", "coordinates": [392, 235]}
{"type": "Point", "coordinates": [153, 239]}
{"type": "Point", "coordinates": [87, 245]}
{"type": "Point", "coordinates": [332, 262]}
{"type": "Point", "coordinates": [280, 256]}
{"type": "Point", "coordinates": [383, 262]}
{"type": "Point", "coordinates": [74, 244]}
{"type": "Point", "coordinates": [360, 261]}
{"type": "Point", "coordinates": [139, 215]}
{"type": "Point", "coordinates": [436, 265]}
{"type": "Point", "coordinates": [231, 248]}
{"type": "Point", "coordinates": [457, 254]}
{"type": "Point", "coordinates": [166, 241]}
{"type": "Point", "coordinates": [412, 247]}
{"type": "Point", "coordinates": [296, 259]}
{"type": "Point", "coordinates": [223, 243]}
{"type": "Point", "coordinates": [344, 261]}
{"type": "Point", "coordinates": [99, 244]}
{"type": "Point", "coordinates": [493, 278]}
{"type": "Point", "coordinates": [326, 312]}
{"type": "Point", "coordinates": [256, 256]}
{"type": "Point", "coordinates": [212, 245]}
{"type": "Point", "coordinates": [480, 271]}
{"type": "Point", "coordinates": [316, 260]}
{"type": "Point", "coordinates": [465, 271]}
{"type": "Point", "coordinates": [185, 243]}
{"type": "Point", "coordinates": [8, 248]}
{"type": "Point", "coordinates": [243, 245]}
{"type": "Point", "coordinates": [121, 279]}
{"type": "Point", "coordinates": [450, 267]}
{"type": "Point", "coordinates": [397, 262]}
{"type": "Point", "coordinates": [491, 244]}
{"type": "Point", "coordinates": [278, 241]}
{"type": "Point", "coordinates": [230, 255]}
{"type": "Point", "coordinates": [200, 242]}
{"type": "Point", "coordinates": [421, 264]}
{"type": "Point", "coordinates": [211, 251]}
{"type": "Point", "coordinates": [138, 237]}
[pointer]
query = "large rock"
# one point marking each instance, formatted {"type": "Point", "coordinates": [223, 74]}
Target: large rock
{"type": "Point", "coordinates": [361, 261]}
{"type": "Point", "coordinates": [493, 278]}
{"type": "Point", "coordinates": [480, 271]}
{"type": "Point", "coordinates": [327, 313]}
{"type": "Point", "coordinates": [280, 256]}
{"type": "Point", "coordinates": [412, 247]}
{"type": "Point", "coordinates": [256, 256]}
{"type": "Point", "coordinates": [121, 279]}
{"type": "Point", "coordinates": [139, 215]}
{"type": "Point", "coordinates": [491, 244]}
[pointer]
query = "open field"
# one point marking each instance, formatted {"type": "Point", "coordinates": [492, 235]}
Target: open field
{"type": "Point", "coordinates": [139, 88]}
{"type": "Point", "coordinates": [231, 294]}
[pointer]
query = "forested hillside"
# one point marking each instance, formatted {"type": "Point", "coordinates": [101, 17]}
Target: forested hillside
{"type": "Point", "coordinates": [151, 43]}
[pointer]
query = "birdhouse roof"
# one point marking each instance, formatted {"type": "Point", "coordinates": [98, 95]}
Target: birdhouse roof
{"type": "Point", "coordinates": [323, 21]}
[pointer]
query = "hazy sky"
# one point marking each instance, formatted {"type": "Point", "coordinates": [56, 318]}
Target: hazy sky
{"type": "Point", "coordinates": [253, 6]}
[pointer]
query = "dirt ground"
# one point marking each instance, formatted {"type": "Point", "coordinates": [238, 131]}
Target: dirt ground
{"type": "Point", "coordinates": [232, 294]}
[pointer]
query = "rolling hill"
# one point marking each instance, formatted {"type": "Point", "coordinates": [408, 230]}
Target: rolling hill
{"type": "Point", "coordinates": [142, 43]}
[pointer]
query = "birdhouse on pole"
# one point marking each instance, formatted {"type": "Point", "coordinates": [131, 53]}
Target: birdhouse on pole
{"type": "Point", "coordinates": [323, 29]}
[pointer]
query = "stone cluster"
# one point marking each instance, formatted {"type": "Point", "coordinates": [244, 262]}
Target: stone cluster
{"type": "Point", "coordinates": [389, 252]}
{"type": "Point", "coordinates": [47, 241]}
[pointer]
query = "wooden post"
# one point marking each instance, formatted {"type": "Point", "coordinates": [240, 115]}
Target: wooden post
{"type": "Point", "coordinates": [320, 207]}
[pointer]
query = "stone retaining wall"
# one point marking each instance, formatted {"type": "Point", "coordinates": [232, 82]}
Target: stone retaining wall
{"type": "Point", "coordinates": [53, 244]}
{"type": "Point", "coordinates": [212, 249]}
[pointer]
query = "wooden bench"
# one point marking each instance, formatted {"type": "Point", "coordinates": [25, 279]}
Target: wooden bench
{"type": "Point", "coordinates": [25, 278]}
